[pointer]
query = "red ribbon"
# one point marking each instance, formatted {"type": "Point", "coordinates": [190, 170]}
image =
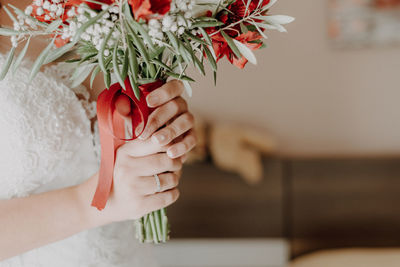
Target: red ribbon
{"type": "Point", "coordinates": [110, 104]}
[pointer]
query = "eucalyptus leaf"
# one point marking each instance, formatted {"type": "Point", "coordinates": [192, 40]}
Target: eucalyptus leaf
{"type": "Point", "coordinates": [107, 79]}
{"type": "Point", "coordinates": [125, 66]}
{"type": "Point", "coordinates": [101, 57]}
{"type": "Point", "coordinates": [94, 74]}
{"type": "Point", "coordinates": [21, 56]}
{"type": "Point", "coordinates": [22, 14]}
{"type": "Point", "coordinates": [246, 52]}
{"type": "Point", "coordinates": [179, 77]}
{"type": "Point", "coordinates": [12, 17]}
{"type": "Point", "coordinates": [54, 25]}
{"type": "Point", "coordinates": [135, 87]}
{"type": "Point", "coordinates": [116, 67]}
{"type": "Point", "coordinates": [206, 24]}
{"type": "Point", "coordinates": [8, 32]}
{"type": "Point", "coordinates": [7, 63]}
{"type": "Point", "coordinates": [40, 60]}
{"type": "Point", "coordinates": [231, 44]}
{"type": "Point", "coordinates": [58, 52]}
{"type": "Point", "coordinates": [82, 72]}
{"type": "Point", "coordinates": [210, 58]}
{"type": "Point", "coordinates": [133, 64]}
{"type": "Point", "coordinates": [87, 24]}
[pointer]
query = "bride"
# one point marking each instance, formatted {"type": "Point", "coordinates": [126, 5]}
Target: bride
{"type": "Point", "coordinates": [49, 163]}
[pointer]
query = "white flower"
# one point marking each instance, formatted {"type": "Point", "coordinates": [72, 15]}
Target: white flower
{"type": "Point", "coordinates": [38, 2]}
{"type": "Point", "coordinates": [167, 21]}
{"type": "Point", "coordinates": [47, 17]}
{"type": "Point", "coordinates": [181, 30]}
{"type": "Point", "coordinates": [46, 5]}
{"type": "Point", "coordinates": [28, 10]}
{"type": "Point", "coordinates": [106, 52]}
{"type": "Point", "coordinates": [53, 8]}
{"type": "Point", "coordinates": [39, 11]}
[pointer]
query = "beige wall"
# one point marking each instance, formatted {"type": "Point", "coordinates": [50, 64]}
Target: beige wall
{"type": "Point", "coordinates": [316, 99]}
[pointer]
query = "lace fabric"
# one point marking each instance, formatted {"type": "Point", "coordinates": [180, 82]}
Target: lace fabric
{"type": "Point", "coordinates": [47, 142]}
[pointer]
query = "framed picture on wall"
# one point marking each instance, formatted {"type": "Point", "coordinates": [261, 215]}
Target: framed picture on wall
{"type": "Point", "coordinates": [358, 23]}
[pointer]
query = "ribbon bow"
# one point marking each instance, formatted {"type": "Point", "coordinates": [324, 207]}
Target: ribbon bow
{"type": "Point", "coordinates": [112, 103]}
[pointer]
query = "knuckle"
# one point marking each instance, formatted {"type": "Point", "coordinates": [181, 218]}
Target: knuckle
{"type": "Point", "coordinates": [174, 106]}
{"type": "Point", "coordinates": [174, 179]}
{"type": "Point", "coordinates": [154, 121]}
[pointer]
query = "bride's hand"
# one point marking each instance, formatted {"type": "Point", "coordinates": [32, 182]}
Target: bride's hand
{"type": "Point", "coordinates": [159, 152]}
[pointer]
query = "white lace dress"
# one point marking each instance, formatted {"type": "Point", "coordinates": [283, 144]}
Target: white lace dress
{"type": "Point", "coordinates": [46, 143]}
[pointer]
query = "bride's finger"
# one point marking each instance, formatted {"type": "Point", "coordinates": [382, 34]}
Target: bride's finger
{"type": "Point", "coordinates": [162, 200]}
{"type": "Point", "coordinates": [165, 93]}
{"type": "Point", "coordinates": [138, 148]}
{"type": "Point", "coordinates": [176, 128]}
{"type": "Point", "coordinates": [162, 115]}
{"type": "Point", "coordinates": [181, 148]}
{"type": "Point", "coordinates": [147, 185]}
{"type": "Point", "coordinates": [153, 164]}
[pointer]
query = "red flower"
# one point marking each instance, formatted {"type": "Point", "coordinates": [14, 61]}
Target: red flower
{"type": "Point", "coordinates": [146, 9]}
{"type": "Point", "coordinates": [237, 11]}
{"type": "Point", "coordinates": [221, 47]}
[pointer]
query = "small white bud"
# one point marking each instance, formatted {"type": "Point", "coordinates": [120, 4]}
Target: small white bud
{"type": "Point", "coordinates": [106, 52]}
{"type": "Point", "coordinates": [39, 11]}
{"type": "Point", "coordinates": [181, 30]}
{"type": "Point", "coordinates": [28, 10]}
{"type": "Point", "coordinates": [53, 8]}
{"type": "Point", "coordinates": [46, 5]}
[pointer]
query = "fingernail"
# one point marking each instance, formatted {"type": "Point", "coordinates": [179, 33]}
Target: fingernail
{"type": "Point", "coordinates": [152, 100]}
{"type": "Point", "coordinates": [171, 153]}
{"type": "Point", "coordinates": [159, 138]}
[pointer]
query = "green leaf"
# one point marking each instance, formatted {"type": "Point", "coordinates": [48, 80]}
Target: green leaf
{"type": "Point", "coordinates": [107, 79]}
{"type": "Point", "coordinates": [243, 28]}
{"type": "Point", "coordinates": [179, 76]}
{"type": "Point", "coordinates": [58, 52]}
{"type": "Point", "coordinates": [195, 38]}
{"type": "Point", "coordinates": [135, 87]}
{"type": "Point", "coordinates": [125, 66]}
{"type": "Point", "coordinates": [231, 44]}
{"type": "Point", "coordinates": [101, 56]}
{"type": "Point", "coordinates": [134, 24]}
{"type": "Point", "coordinates": [161, 64]}
{"type": "Point", "coordinates": [81, 73]}
{"type": "Point", "coordinates": [8, 32]}
{"type": "Point", "coordinates": [86, 25]}
{"type": "Point", "coordinates": [12, 17]}
{"type": "Point", "coordinates": [206, 24]}
{"type": "Point", "coordinates": [246, 52]}
{"type": "Point", "coordinates": [21, 56]}
{"type": "Point", "coordinates": [54, 25]}
{"type": "Point", "coordinates": [142, 50]}
{"type": "Point", "coordinates": [210, 58]}
{"type": "Point", "coordinates": [116, 67]}
{"type": "Point", "coordinates": [206, 36]}
{"type": "Point", "coordinates": [172, 38]}
{"type": "Point", "coordinates": [40, 60]}
{"type": "Point", "coordinates": [133, 64]}
{"type": "Point", "coordinates": [94, 74]}
{"type": "Point", "coordinates": [157, 52]}
{"type": "Point", "coordinates": [22, 14]}
{"type": "Point", "coordinates": [7, 64]}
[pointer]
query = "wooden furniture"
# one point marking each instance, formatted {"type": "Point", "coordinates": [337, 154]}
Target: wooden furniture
{"type": "Point", "coordinates": [313, 203]}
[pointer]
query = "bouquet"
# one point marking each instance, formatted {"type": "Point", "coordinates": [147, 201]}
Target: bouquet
{"type": "Point", "coordinates": [138, 44]}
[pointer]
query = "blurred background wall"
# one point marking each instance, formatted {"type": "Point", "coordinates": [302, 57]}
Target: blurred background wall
{"type": "Point", "coordinates": [316, 99]}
